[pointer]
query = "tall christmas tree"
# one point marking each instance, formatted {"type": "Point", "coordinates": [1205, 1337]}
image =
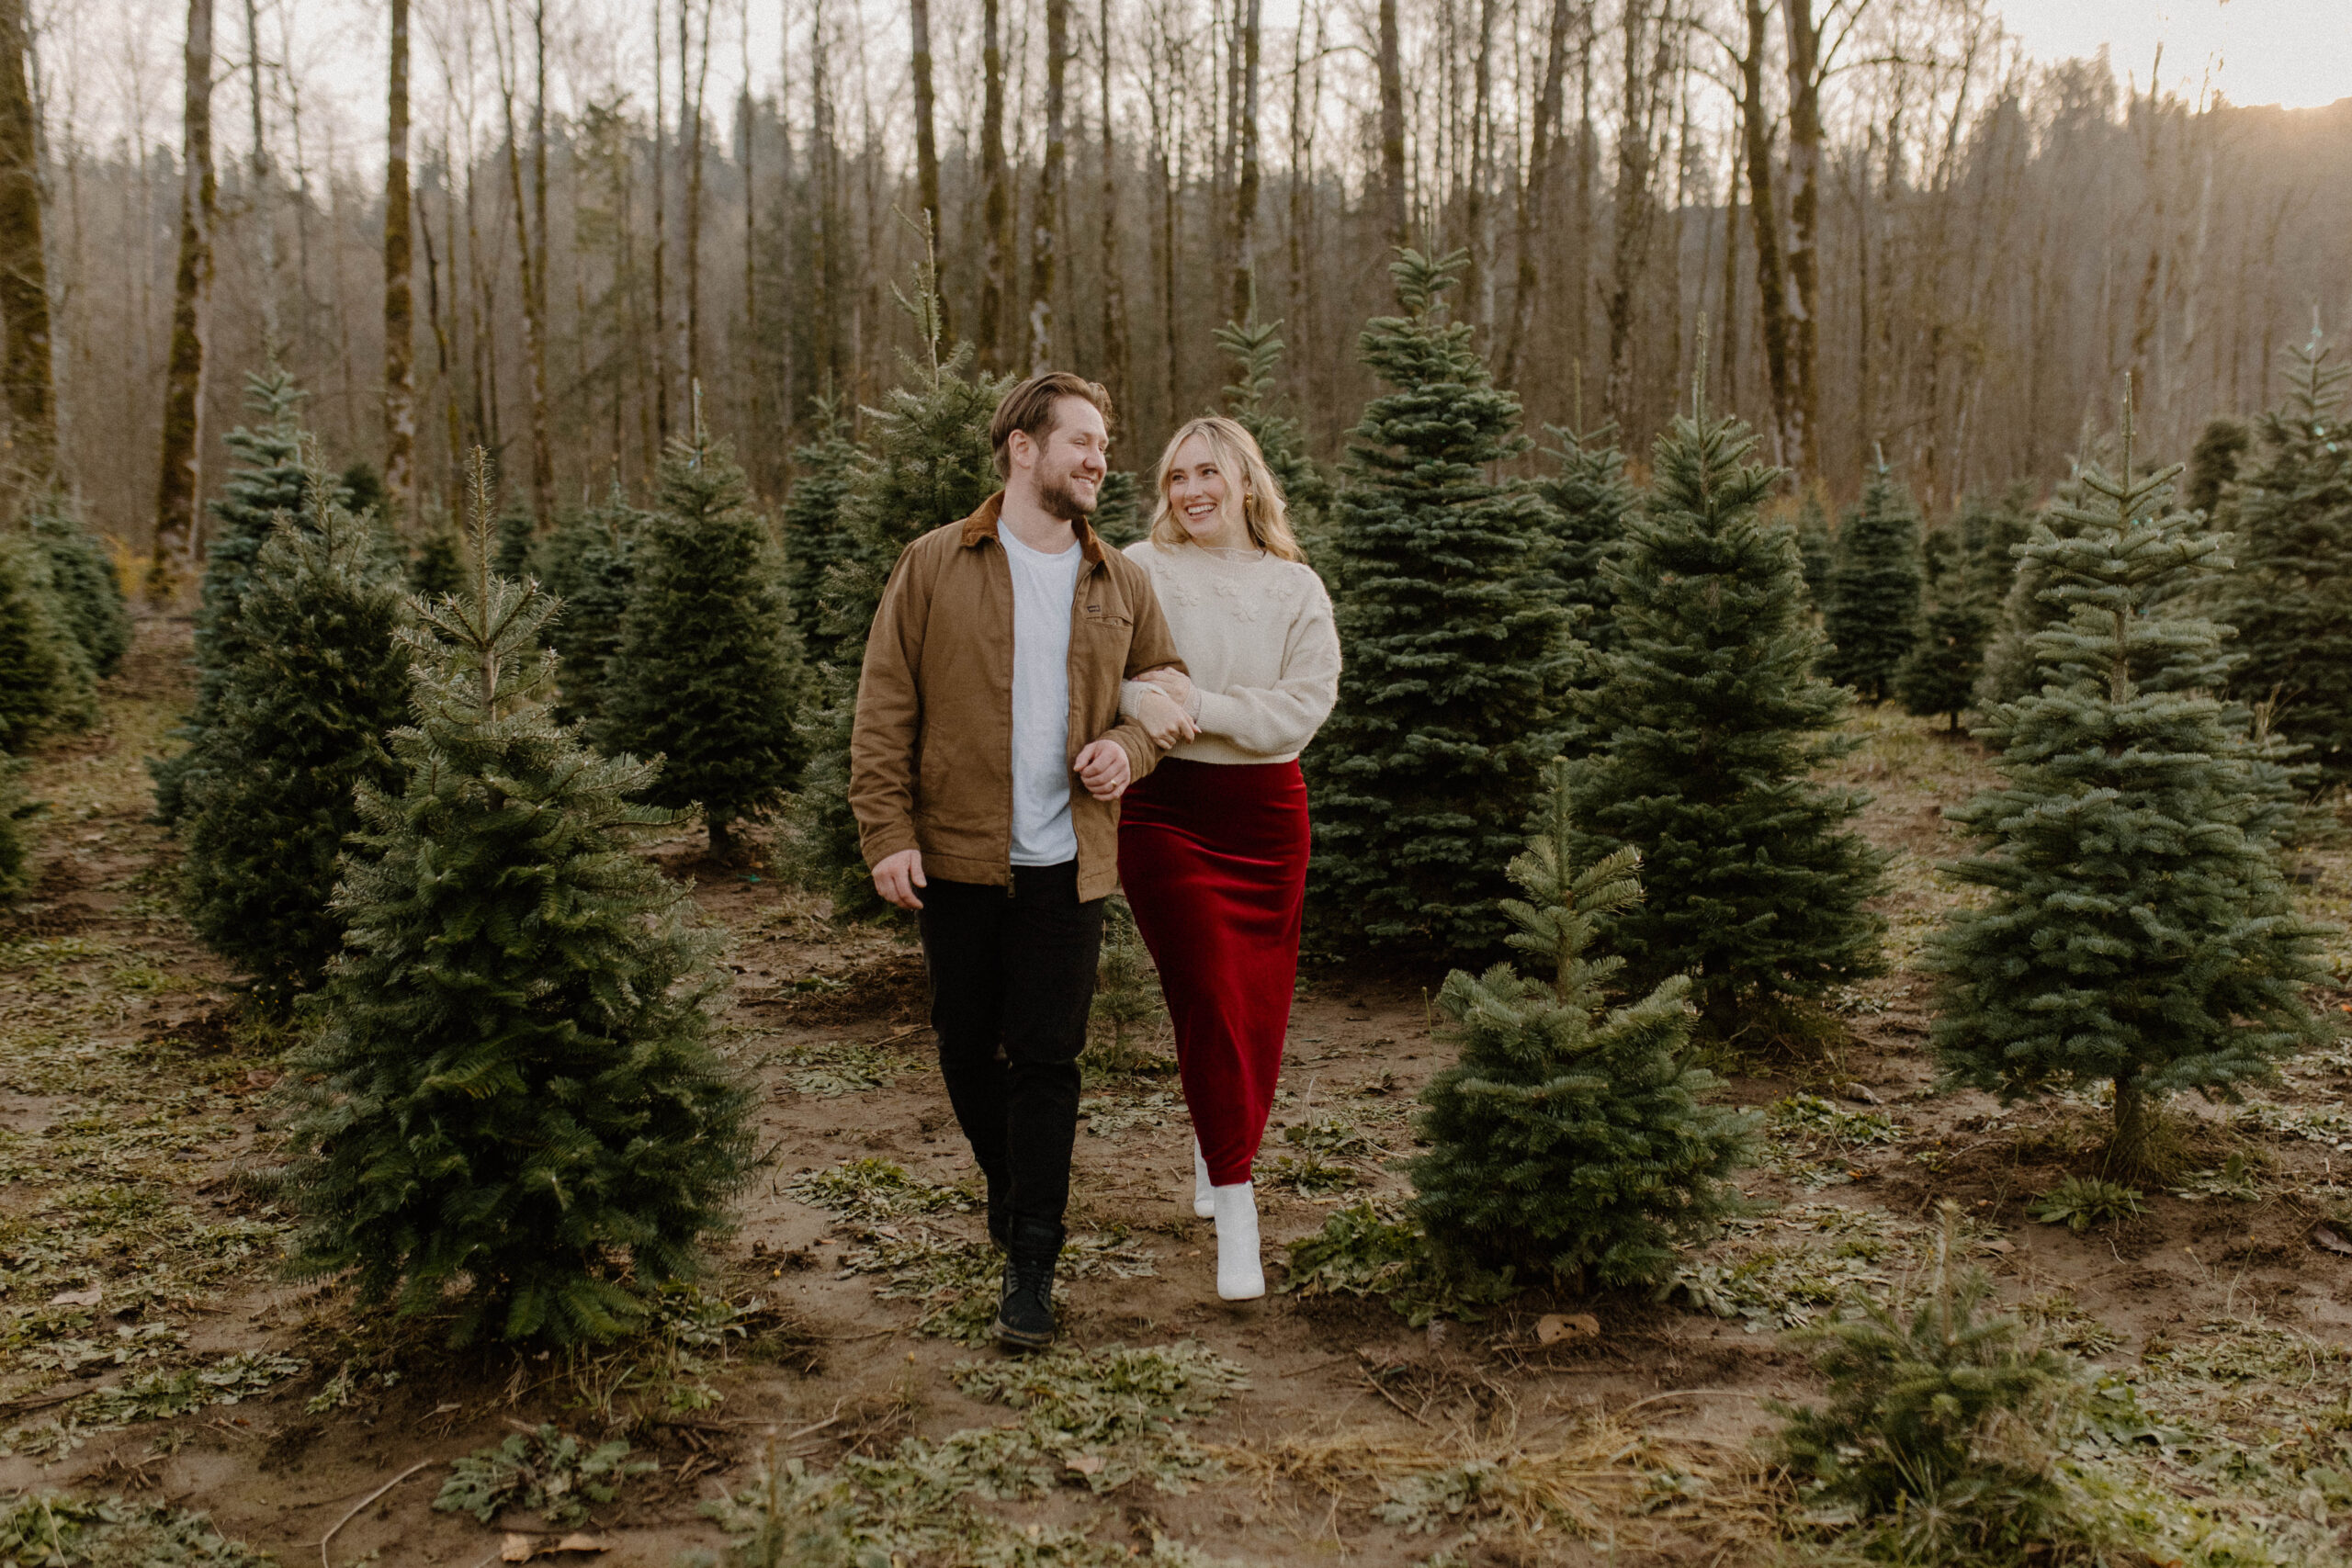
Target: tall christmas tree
{"type": "Point", "coordinates": [2138, 929]}
{"type": "Point", "coordinates": [1449, 700]}
{"type": "Point", "coordinates": [929, 462]}
{"type": "Point", "coordinates": [1590, 503]}
{"type": "Point", "coordinates": [298, 722]}
{"type": "Point", "coordinates": [265, 479]}
{"type": "Point", "coordinates": [1873, 616]}
{"type": "Point", "coordinates": [815, 532]}
{"type": "Point", "coordinates": [513, 1110]}
{"type": "Point", "coordinates": [708, 674]}
{"type": "Point", "coordinates": [1816, 551]}
{"type": "Point", "coordinates": [1570, 1135]}
{"type": "Point", "coordinates": [1256, 350]}
{"type": "Point", "coordinates": [591, 564]}
{"type": "Point", "coordinates": [1707, 726]}
{"type": "Point", "coordinates": [2010, 669]}
{"type": "Point", "coordinates": [2213, 465]}
{"type": "Point", "coordinates": [2289, 598]}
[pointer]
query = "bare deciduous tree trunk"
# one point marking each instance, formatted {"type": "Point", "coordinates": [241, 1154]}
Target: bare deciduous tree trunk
{"type": "Point", "coordinates": [926, 132]}
{"type": "Point", "coordinates": [400, 310]}
{"type": "Point", "coordinates": [1764, 221]}
{"type": "Point", "coordinates": [1634, 221]}
{"type": "Point", "coordinates": [265, 206]}
{"type": "Point", "coordinates": [1245, 188]}
{"type": "Point", "coordinates": [1805, 70]}
{"type": "Point", "coordinates": [1478, 212]}
{"type": "Point", "coordinates": [661, 334]}
{"type": "Point", "coordinates": [27, 377]}
{"type": "Point", "coordinates": [995, 201]}
{"type": "Point", "coordinates": [690, 139]}
{"type": "Point", "coordinates": [1542, 137]}
{"type": "Point", "coordinates": [1392, 129]}
{"type": "Point", "coordinates": [1045, 239]}
{"type": "Point", "coordinates": [1115, 347]}
{"type": "Point", "coordinates": [177, 540]}
{"type": "Point", "coordinates": [535, 331]}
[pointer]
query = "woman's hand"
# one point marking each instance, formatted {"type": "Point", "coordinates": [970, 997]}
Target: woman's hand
{"type": "Point", "coordinates": [1174, 682]}
{"type": "Point", "coordinates": [1163, 719]}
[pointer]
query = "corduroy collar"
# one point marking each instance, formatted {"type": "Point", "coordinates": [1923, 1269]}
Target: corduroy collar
{"type": "Point", "coordinates": [981, 524]}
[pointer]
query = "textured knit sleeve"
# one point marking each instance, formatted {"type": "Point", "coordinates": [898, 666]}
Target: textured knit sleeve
{"type": "Point", "coordinates": [1280, 720]}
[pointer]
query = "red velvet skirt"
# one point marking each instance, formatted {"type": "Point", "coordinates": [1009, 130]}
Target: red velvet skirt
{"type": "Point", "coordinates": [1213, 857]}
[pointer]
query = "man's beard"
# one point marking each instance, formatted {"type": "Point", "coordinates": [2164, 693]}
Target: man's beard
{"type": "Point", "coordinates": [1057, 499]}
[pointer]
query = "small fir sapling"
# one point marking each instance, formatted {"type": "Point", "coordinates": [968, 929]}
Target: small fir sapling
{"type": "Point", "coordinates": [1816, 551]}
{"type": "Point", "coordinates": [45, 679]}
{"type": "Point", "coordinates": [518, 533]}
{"type": "Point", "coordinates": [2292, 514]}
{"type": "Point", "coordinates": [511, 1109]}
{"type": "Point", "coordinates": [1126, 992]}
{"type": "Point", "coordinates": [815, 535]}
{"type": "Point", "coordinates": [1451, 698]}
{"type": "Point", "coordinates": [2138, 930]}
{"type": "Point", "coordinates": [590, 567]}
{"type": "Point", "coordinates": [2010, 669]}
{"type": "Point", "coordinates": [1963, 606]}
{"type": "Point", "coordinates": [928, 463]}
{"type": "Point", "coordinates": [1589, 502]}
{"type": "Point", "coordinates": [2215, 463]}
{"type": "Point", "coordinates": [87, 586]}
{"type": "Point", "coordinates": [440, 565]}
{"type": "Point", "coordinates": [298, 724]}
{"type": "Point", "coordinates": [1119, 517]}
{"type": "Point", "coordinates": [1570, 1136]}
{"type": "Point", "coordinates": [708, 673]}
{"type": "Point", "coordinates": [1707, 729]}
{"type": "Point", "coordinates": [1871, 620]}
{"type": "Point", "coordinates": [1256, 350]}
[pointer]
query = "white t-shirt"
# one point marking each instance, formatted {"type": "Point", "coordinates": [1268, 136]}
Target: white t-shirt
{"type": "Point", "coordinates": [1042, 589]}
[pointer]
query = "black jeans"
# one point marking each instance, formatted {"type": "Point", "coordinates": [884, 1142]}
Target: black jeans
{"type": "Point", "coordinates": [1011, 983]}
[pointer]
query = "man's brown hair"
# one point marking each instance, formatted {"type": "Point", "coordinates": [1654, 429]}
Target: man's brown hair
{"type": "Point", "coordinates": [1029, 409]}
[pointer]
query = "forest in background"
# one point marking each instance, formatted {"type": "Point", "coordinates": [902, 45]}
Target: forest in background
{"type": "Point", "coordinates": [1962, 253]}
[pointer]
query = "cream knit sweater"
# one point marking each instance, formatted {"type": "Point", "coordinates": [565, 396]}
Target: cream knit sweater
{"type": "Point", "coordinates": [1256, 633]}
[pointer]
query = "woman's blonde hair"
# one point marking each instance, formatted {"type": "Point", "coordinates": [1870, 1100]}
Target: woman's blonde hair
{"type": "Point", "coordinates": [1263, 512]}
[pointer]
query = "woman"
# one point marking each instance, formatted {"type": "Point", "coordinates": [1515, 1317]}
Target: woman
{"type": "Point", "coordinates": [1213, 841]}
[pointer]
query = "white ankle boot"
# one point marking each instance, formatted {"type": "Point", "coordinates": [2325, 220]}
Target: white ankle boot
{"type": "Point", "coordinates": [1203, 1206]}
{"type": "Point", "coordinates": [1240, 1276]}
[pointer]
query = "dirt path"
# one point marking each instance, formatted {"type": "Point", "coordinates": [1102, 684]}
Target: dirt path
{"type": "Point", "coordinates": [150, 1349]}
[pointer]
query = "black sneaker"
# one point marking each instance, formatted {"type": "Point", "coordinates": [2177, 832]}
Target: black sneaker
{"type": "Point", "coordinates": [1024, 1316]}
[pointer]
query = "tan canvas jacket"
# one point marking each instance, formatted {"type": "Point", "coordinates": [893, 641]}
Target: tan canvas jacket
{"type": "Point", "coordinates": [931, 747]}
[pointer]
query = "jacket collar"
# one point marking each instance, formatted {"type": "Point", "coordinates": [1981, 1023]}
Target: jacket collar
{"type": "Point", "coordinates": [981, 524]}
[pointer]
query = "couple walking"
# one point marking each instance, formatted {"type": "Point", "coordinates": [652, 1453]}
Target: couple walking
{"type": "Point", "coordinates": [1039, 718]}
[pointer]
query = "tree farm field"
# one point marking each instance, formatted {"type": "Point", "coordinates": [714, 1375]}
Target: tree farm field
{"type": "Point", "coordinates": [151, 1350]}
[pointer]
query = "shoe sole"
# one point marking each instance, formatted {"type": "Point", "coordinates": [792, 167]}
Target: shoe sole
{"type": "Point", "coordinates": [1015, 1339]}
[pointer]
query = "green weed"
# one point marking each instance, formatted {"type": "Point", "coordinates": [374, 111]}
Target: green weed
{"type": "Point", "coordinates": [548, 1472]}
{"type": "Point", "coordinates": [873, 1190]}
{"type": "Point", "coordinates": [2081, 1202]}
{"type": "Point", "coordinates": [53, 1529]}
{"type": "Point", "coordinates": [1372, 1250]}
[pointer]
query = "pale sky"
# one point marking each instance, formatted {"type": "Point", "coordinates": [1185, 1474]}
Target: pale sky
{"type": "Point", "coordinates": [2295, 52]}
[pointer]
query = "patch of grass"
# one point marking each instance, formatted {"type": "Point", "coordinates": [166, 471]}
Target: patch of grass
{"type": "Point", "coordinates": [548, 1472]}
{"type": "Point", "coordinates": [1374, 1250]}
{"type": "Point", "coordinates": [156, 1395]}
{"type": "Point", "coordinates": [55, 1530]}
{"type": "Point", "coordinates": [1332, 1156]}
{"type": "Point", "coordinates": [838, 1068]}
{"type": "Point", "coordinates": [955, 1282]}
{"type": "Point", "coordinates": [873, 1189]}
{"type": "Point", "coordinates": [2081, 1202]}
{"type": "Point", "coordinates": [1788, 1270]}
{"type": "Point", "coordinates": [2236, 1177]}
{"type": "Point", "coordinates": [1108, 1115]}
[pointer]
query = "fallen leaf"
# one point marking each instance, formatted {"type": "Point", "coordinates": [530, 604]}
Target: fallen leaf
{"type": "Point", "coordinates": [523, 1548]}
{"type": "Point", "coordinates": [83, 1298]}
{"type": "Point", "coordinates": [1552, 1327]}
{"type": "Point", "coordinates": [579, 1543]}
{"type": "Point", "coordinates": [1087, 1464]}
{"type": "Point", "coordinates": [514, 1549]}
{"type": "Point", "coordinates": [2002, 1246]}
{"type": "Point", "coordinates": [1861, 1092]}
{"type": "Point", "coordinates": [2325, 1238]}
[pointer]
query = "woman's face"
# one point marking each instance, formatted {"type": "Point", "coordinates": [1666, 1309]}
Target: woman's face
{"type": "Point", "coordinates": [1200, 493]}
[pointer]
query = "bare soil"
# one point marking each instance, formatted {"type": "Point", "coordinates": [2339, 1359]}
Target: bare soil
{"type": "Point", "coordinates": [135, 1088]}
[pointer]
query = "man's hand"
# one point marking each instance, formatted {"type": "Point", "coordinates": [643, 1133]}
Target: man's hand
{"type": "Point", "coordinates": [1102, 768]}
{"type": "Point", "coordinates": [896, 876]}
{"type": "Point", "coordinates": [1163, 720]}
{"type": "Point", "coordinates": [1172, 681]}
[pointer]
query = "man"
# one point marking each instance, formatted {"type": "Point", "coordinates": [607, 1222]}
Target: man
{"type": "Point", "coordinates": [986, 764]}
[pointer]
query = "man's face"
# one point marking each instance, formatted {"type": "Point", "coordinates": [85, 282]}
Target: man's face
{"type": "Point", "coordinates": [1070, 460]}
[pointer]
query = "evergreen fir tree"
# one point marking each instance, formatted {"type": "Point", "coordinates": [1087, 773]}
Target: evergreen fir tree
{"type": "Point", "coordinates": [708, 674]}
{"type": "Point", "coordinates": [46, 679]}
{"type": "Point", "coordinates": [1873, 617]}
{"type": "Point", "coordinates": [439, 566]}
{"type": "Point", "coordinates": [1590, 503]}
{"type": "Point", "coordinates": [2010, 669]}
{"type": "Point", "coordinates": [815, 531]}
{"type": "Point", "coordinates": [1118, 510]}
{"type": "Point", "coordinates": [590, 564]}
{"type": "Point", "coordinates": [2138, 928]}
{"type": "Point", "coordinates": [1708, 725]}
{"type": "Point", "coordinates": [2213, 465]}
{"type": "Point", "coordinates": [1450, 701]}
{"type": "Point", "coordinates": [512, 1109]}
{"type": "Point", "coordinates": [298, 724]}
{"type": "Point", "coordinates": [1256, 349]}
{"type": "Point", "coordinates": [15, 817]}
{"type": "Point", "coordinates": [2289, 596]}
{"type": "Point", "coordinates": [88, 588]}
{"type": "Point", "coordinates": [1963, 606]}
{"type": "Point", "coordinates": [1570, 1136]}
{"type": "Point", "coordinates": [265, 481]}
{"type": "Point", "coordinates": [1816, 551]}
{"type": "Point", "coordinates": [929, 462]}
{"type": "Point", "coordinates": [517, 532]}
